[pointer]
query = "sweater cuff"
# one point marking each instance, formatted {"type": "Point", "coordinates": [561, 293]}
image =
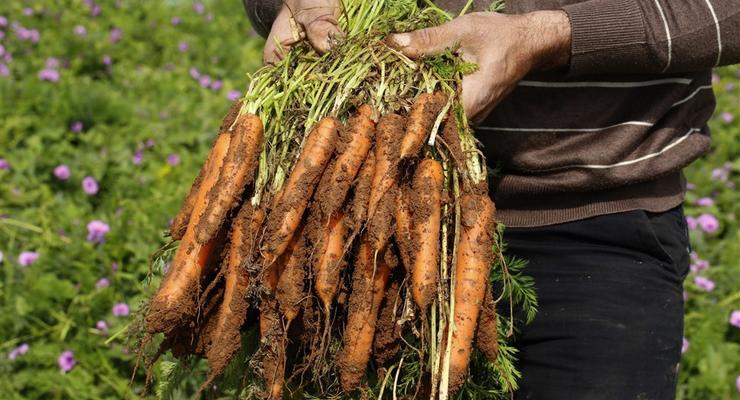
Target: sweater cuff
{"type": "Point", "coordinates": [606, 36]}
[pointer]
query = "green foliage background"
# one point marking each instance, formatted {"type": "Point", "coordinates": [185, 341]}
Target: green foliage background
{"type": "Point", "coordinates": [146, 101]}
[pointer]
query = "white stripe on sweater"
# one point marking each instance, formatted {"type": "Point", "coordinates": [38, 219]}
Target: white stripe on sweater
{"type": "Point", "coordinates": [667, 35]}
{"type": "Point", "coordinates": [544, 84]}
{"type": "Point", "coordinates": [719, 35]}
{"type": "Point", "coordinates": [636, 160]}
{"type": "Point", "coordinates": [689, 97]}
{"type": "Point", "coordinates": [503, 129]}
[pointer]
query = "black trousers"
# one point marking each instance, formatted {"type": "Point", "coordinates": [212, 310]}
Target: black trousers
{"type": "Point", "coordinates": [610, 318]}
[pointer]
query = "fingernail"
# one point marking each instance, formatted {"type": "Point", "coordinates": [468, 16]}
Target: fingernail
{"type": "Point", "coordinates": [402, 39]}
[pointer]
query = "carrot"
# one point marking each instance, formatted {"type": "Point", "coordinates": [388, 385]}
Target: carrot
{"type": "Point", "coordinates": [486, 338]}
{"type": "Point", "coordinates": [368, 290]}
{"type": "Point", "coordinates": [427, 184]}
{"type": "Point", "coordinates": [355, 140]}
{"type": "Point", "coordinates": [272, 339]}
{"type": "Point", "coordinates": [404, 227]}
{"type": "Point", "coordinates": [290, 287]}
{"type": "Point", "coordinates": [387, 342]}
{"type": "Point", "coordinates": [451, 138]}
{"type": "Point", "coordinates": [299, 187]}
{"type": "Point", "coordinates": [361, 198]}
{"type": "Point", "coordinates": [180, 222]}
{"type": "Point", "coordinates": [422, 116]}
{"type": "Point", "coordinates": [390, 132]}
{"type": "Point", "coordinates": [328, 265]}
{"type": "Point", "coordinates": [237, 172]}
{"type": "Point", "coordinates": [233, 310]}
{"type": "Point", "coordinates": [474, 258]}
{"type": "Point", "coordinates": [174, 302]}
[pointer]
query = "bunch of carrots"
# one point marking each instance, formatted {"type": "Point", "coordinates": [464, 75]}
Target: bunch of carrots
{"type": "Point", "coordinates": [346, 221]}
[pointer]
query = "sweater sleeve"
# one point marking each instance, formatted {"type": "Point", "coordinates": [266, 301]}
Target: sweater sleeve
{"type": "Point", "coordinates": [653, 36]}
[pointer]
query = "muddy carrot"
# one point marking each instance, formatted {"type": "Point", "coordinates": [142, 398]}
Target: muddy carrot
{"type": "Point", "coordinates": [291, 287]}
{"type": "Point", "coordinates": [180, 222]}
{"type": "Point", "coordinates": [286, 216]}
{"type": "Point", "coordinates": [486, 337]}
{"type": "Point", "coordinates": [354, 143]}
{"type": "Point", "coordinates": [237, 172]}
{"type": "Point", "coordinates": [328, 265]}
{"type": "Point", "coordinates": [174, 302]}
{"type": "Point", "coordinates": [361, 199]}
{"type": "Point", "coordinates": [451, 138]}
{"type": "Point", "coordinates": [427, 185]}
{"type": "Point", "coordinates": [404, 227]}
{"type": "Point", "coordinates": [389, 134]}
{"type": "Point", "coordinates": [368, 290]}
{"type": "Point", "coordinates": [422, 116]}
{"type": "Point", "coordinates": [474, 258]}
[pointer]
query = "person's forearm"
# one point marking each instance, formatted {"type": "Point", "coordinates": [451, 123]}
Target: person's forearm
{"type": "Point", "coordinates": [653, 36]}
{"type": "Point", "coordinates": [548, 34]}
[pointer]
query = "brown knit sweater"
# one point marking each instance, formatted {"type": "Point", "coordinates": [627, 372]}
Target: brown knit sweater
{"type": "Point", "coordinates": [613, 132]}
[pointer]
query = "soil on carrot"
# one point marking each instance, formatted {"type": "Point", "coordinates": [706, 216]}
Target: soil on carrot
{"type": "Point", "coordinates": [361, 193]}
{"type": "Point", "coordinates": [291, 285]}
{"type": "Point", "coordinates": [272, 359]}
{"type": "Point", "coordinates": [422, 117]}
{"type": "Point", "coordinates": [387, 341]}
{"type": "Point", "coordinates": [380, 226]}
{"type": "Point", "coordinates": [487, 337]}
{"type": "Point", "coordinates": [451, 138]}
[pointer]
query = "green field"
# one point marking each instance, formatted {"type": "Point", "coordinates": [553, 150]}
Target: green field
{"type": "Point", "coordinates": [107, 110]}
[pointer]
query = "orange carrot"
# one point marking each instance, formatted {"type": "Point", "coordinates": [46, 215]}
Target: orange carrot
{"type": "Point", "coordinates": [328, 265]}
{"type": "Point", "coordinates": [427, 184]}
{"type": "Point", "coordinates": [352, 148]}
{"type": "Point", "coordinates": [181, 220]}
{"type": "Point", "coordinates": [287, 214]}
{"type": "Point", "coordinates": [474, 258]}
{"type": "Point", "coordinates": [368, 290]}
{"type": "Point", "coordinates": [233, 311]}
{"type": "Point", "coordinates": [290, 287]}
{"type": "Point", "coordinates": [404, 227]}
{"type": "Point", "coordinates": [361, 199]}
{"type": "Point", "coordinates": [237, 172]}
{"type": "Point", "coordinates": [390, 132]}
{"type": "Point", "coordinates": [486, 337]}
{"type": "Point", "coordinates": [422, 116]}
{"type": "Point", "coordinates": [174, 302]}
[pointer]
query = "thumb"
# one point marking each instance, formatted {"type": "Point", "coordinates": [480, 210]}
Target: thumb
{"type": "Point", "coordinates": [321, 31]}
{"type": "Point", "coordinates": [425, 42]}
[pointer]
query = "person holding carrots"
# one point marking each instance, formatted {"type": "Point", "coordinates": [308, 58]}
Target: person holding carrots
{"type": "Point", "coordinates": [591, 108]}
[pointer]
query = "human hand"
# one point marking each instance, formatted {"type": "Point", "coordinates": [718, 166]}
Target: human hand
{"type": "Point", "coordinates": [505, 47]}
{"type": "Point", "coordinates": [315, 20]}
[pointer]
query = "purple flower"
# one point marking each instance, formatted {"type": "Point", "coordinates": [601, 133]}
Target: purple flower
{"type": "Point", "coordinates": [233, 95]}
{"type": "Point", "coordinates": [727, 117]}
{"type": "Point", "coordinates": [684, 345]}
{"type": "Point", "coordinates": [204, 81]}
{"type": "Point", "coordinates": [735, 318]}
{"type": "Point", "coordinates": [90, 185]}
{"type": "Point", "coordinates": [217, 84]}
{"type": "Point", "coordinates": [194, 73]}
{"type": "Point", "coordinates": [4, 164]}
{"type": "Point", "coordinates": [96, 231]}
{"type": "Point", "coordinates": [176, 20]}
{"type": "Point", "coordinates": [149, 143]}
{"type": "Point", "coordinates": [730, 87]}
{"type": "Point", "coordinates": [52, 62]}
{"type": "Point", "coordinates": [114, 266]}
{"type": "Point", "coordinates": [102, 326]}
{"type": "Point", "coordinates": [209, 17]}
{"type": "Point", "coordinates": [48, 74]}
{"type": "Point", "coordinates": [715, 77]}
{"type": "Point", "coordinates": [62, 172]}
{"type": "Point", "coordinates": [699, 265]}
{"type": "Point", "coordinates": [691, 222]}
{"type": "Point", "coordinates": [2, 50]}
{"type": "Point", "coordinates": [138, 157]}
{"type": "Point", "coordinates": [2, 35]}
{"type": "Point", "coordinates": [708, 223]}
{"type": "Point", "coordinates": [95, 10]}
{"type": "Point", "coordinates": [705, 202]}
{"type": "Point", "coordinates": [20, 350]}
{"type": "Point", "coordinates": [76, 127]}
{"type": "Point", "coordinates": [34, 36]}
{"type": "Point", "coordinates": [720, 174]}
{"type": "Point", "coordinates": [173, 159]}
{"type": "Point", "coordinates": [66, 361]}
{"type": "Point", "coordinates": [80, 30]}
{"type": "Point", "coordinates": [3, 22]}
{"type": "Point", "coordinates": [183, 46]}
{"type": "Point", "coordinates": [107, 60]}
{"type": "Point", "coordinates": [704, 284]}
{"type": "Point", "coordinates": [27, 258]}
{"type": "Point", "coordinates": [120, 310]}
{"type": "Point", "coordinates": [115, 35]}
{"type": "Point", "coordinates": [199, 8]}
{"type": "Point", "coordinates": [737, 380]}
{"type": "Point", "coordinates": [28, 11]}
{"type": "Point", "coordinates": [102, 283]}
